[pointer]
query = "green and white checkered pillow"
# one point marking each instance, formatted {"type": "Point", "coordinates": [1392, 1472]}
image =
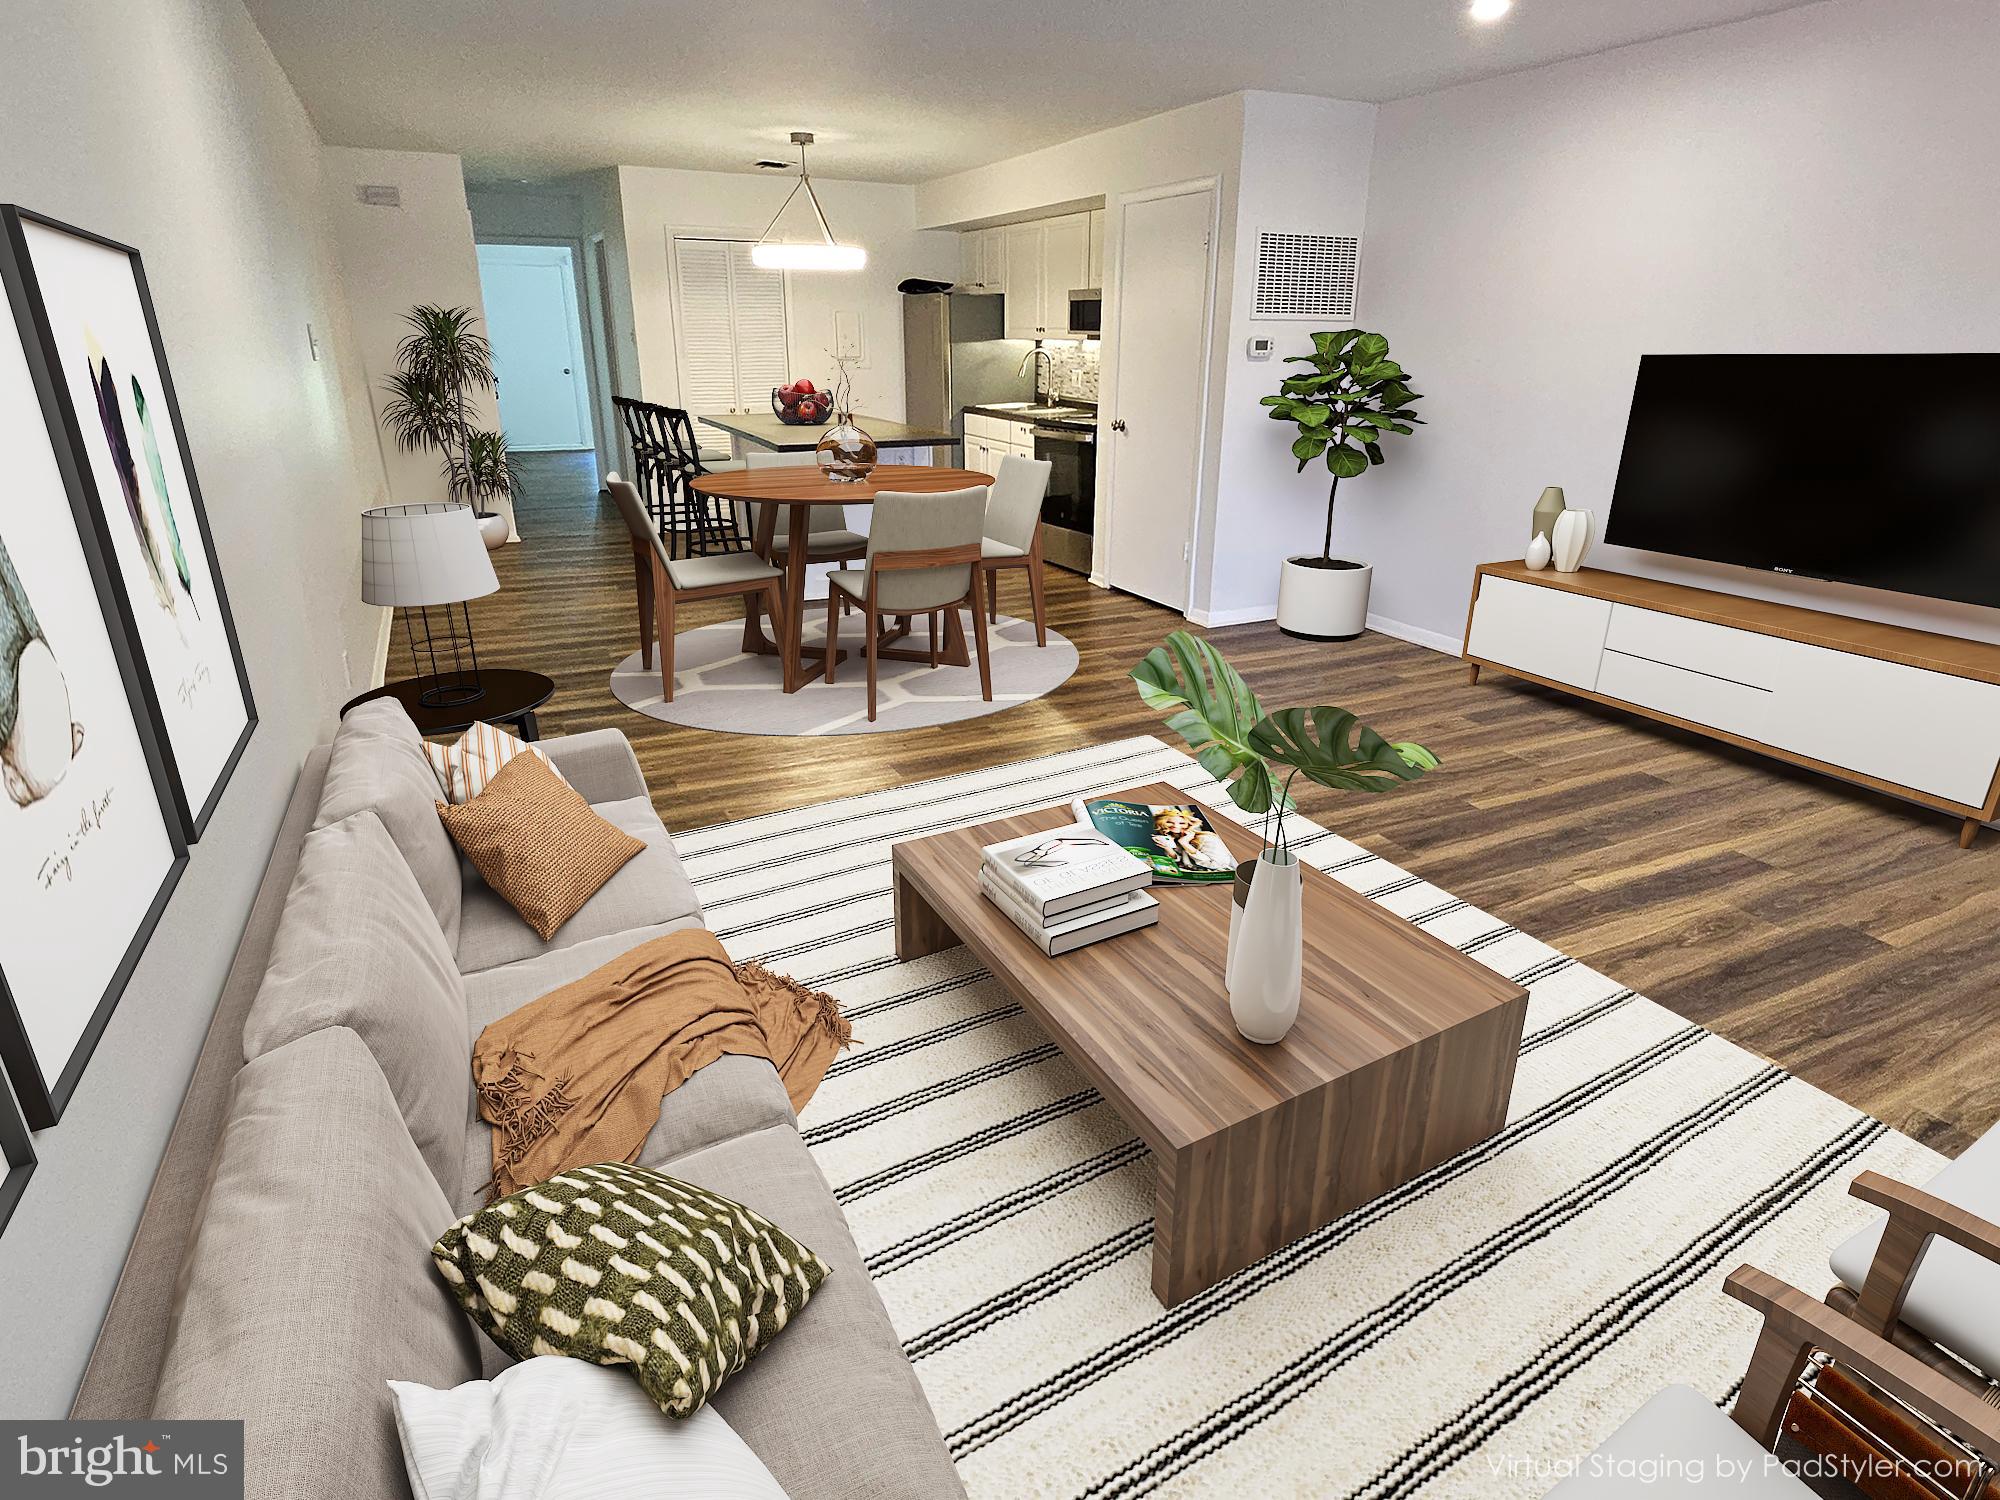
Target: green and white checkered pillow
{"type": "Point", "coordinates": [622, 1265]}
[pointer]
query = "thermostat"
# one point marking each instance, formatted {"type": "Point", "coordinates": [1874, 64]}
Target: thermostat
{"type": "Point", "coordinates": [1260, 348]}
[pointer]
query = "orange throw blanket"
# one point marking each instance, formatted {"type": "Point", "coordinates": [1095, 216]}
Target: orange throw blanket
{"type": "Point", "coordinates": [578, 1075]}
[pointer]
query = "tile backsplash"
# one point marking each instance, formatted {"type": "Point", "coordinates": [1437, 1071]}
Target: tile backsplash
{"type": "Point", "coordinates": [1072, 372]}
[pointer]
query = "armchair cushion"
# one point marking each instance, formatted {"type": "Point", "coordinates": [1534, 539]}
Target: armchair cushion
{"type": "Point", "coordinates": [1679, 1426]}
{"type": "Point", "coordinates": [1954, 1299]}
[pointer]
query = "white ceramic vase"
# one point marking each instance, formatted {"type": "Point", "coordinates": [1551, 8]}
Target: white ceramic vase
{"type": "Point", "coordinates": [1264, 966]}
{"type": "Point", "coordinates": [1539, 553]}
{"type": "Point", "coordinates": [1571, 540]}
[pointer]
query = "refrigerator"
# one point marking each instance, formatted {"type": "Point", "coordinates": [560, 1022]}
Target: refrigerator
{"type": "Point", "coordinates": [954, 357]}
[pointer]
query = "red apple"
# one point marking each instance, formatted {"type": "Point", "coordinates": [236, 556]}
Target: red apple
{"type": "Point", "coordinates": [803, 386]}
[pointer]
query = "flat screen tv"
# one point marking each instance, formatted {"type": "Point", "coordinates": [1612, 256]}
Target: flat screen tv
{"type": "Point", "coordinates": [1877, 469]}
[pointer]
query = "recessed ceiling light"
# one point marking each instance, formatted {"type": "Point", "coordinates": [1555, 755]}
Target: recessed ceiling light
{"type": "Point", "coordinates": [1489, 10]}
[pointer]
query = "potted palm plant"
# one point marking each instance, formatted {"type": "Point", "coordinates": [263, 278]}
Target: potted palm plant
{"type": "Point", "coordinates": [440, 365]}
{"type": "Point", "coordinates": [1352, 398]}
{"type": "Point", "coordinates": [1258, 755]}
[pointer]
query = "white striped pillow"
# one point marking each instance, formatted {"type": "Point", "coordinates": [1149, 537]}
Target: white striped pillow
{"type": "Point", "coordinates": [464, 769]}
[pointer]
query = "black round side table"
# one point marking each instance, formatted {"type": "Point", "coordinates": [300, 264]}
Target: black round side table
{"type": "Point", "coordinates": [511, 697]}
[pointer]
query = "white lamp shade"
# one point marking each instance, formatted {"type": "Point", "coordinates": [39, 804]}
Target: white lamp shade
{"type": "Point", "coordinates": [418, 555]}
{"type": "Point", "coordinates": [774, 255]}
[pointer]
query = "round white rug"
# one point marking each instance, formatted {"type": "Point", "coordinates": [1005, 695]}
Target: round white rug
{"type": "Point", "coordinates": [719, 686]}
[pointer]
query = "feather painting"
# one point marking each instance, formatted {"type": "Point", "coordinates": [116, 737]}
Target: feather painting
{"type": "Point", "coordinates": [38, 738]}
{"type": "Point", "coordinates": [106, 390]}
{"type": "Point", "coordinates": [159, 473]}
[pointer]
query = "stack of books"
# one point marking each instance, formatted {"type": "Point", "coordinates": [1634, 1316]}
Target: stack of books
{"type": "Point", "coordinates": [1068, 887]}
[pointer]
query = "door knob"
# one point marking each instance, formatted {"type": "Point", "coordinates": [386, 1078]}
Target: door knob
{"type": "Point", "coordinates": [565, 369]}
{"type": "Point", "coordinates": [1118, 424]}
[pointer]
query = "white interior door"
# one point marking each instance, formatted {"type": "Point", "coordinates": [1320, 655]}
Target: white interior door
{"type": "Point", "coordinates": [531, 319]}
{"type": "Point", "coordinates": [1163, 291]}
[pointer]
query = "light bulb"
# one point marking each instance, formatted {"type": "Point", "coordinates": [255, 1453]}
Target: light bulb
{"type": "Point", "coordinates": [1489, 10]}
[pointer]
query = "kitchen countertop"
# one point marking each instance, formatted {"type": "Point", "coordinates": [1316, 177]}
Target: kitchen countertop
{"type": "Point", "coordinates": [1080, 413]}
{"type": "Point", "coordinates": [764, 430]}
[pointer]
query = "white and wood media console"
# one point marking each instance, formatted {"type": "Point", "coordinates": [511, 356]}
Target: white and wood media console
{"type": "Point", "coordinates": [1900, 710]}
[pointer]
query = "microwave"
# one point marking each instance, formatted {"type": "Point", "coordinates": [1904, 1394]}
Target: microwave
{"type": "Point", "coordinates": [1086, 311]}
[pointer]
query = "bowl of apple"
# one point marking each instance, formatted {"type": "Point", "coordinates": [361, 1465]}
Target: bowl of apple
{"type": "Point", "coordinates": [801, 404]}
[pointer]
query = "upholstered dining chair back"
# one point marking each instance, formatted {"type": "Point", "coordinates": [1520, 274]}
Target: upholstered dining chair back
{"type": "Point", "coordinates": [1015, 506]}
{"type": "Point", "coordinates": [820, 520]}
{"type": "Point", "coordinates": [626, 495]}
{"type": "Point", "coordinates": [919, 523]}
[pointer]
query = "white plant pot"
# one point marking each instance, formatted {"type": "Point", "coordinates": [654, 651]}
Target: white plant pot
{"type": "Point", "coordinates": [1264, 967]}
{"type": "Point", "coordinates": [493, 531]}
{"type": "Point", "coordinates": [1323, 604]}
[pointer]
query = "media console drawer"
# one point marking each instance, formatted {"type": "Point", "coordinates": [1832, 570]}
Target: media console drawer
{"type": "Point", "coordinates": [1901, 709]}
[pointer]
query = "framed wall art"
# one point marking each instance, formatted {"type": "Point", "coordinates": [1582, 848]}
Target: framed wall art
{"type": "Point", "coordinates": [90, 847]}
{"type": "Point", "coordinates": [17, 1155]}
{"type": "Point", "coordinates": [92, 332]}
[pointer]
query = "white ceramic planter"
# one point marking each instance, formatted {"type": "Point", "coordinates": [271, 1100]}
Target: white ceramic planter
{"type": "Point", "coordinates": [493, 531]}
{"type": "Point", "coordinates": [1323, 604]}
{"type": "Point", "coordinates": [1264, 966]}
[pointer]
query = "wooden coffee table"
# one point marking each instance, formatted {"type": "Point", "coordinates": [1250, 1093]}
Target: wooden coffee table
{"type": "Point", "coordinates": [1403, 1055]}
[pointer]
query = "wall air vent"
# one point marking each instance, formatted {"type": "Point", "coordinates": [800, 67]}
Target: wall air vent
{"type": "Point", "coordinates": [1307, 275]}
{"type": "Point", "coordinates": [379, 195]}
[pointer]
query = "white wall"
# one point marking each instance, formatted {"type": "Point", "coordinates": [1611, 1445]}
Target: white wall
{"type": "Point", "coordinates": [1265, 509]}
{"type": "Point", "coordinates": [394, 259]}
{"type": "Point", "coordinates": [1821, 180]}
{"type": "Point", "coordinates": [880, 217]}
{"type": "Point", "coordinates": [169, 126]}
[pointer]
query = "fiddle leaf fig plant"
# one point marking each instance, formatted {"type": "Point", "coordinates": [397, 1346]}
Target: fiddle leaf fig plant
{"type": "Point", "coordinates": [1208, 704]}
{"type": "Point", "coordinates": [1352, 398]}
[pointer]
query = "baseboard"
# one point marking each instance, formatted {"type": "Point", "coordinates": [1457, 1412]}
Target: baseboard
{"type": "Point", "coordinates": [1416, 635]}
{"type": "Point", "coordinates": [1214, 619]}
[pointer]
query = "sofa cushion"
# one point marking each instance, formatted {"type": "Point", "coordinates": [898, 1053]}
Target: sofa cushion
{"type": "Point", "coordinates": [832, 1408]}
{"type": "Point", "coordinates": [307, 1282]}
{"type": "Point", "coordinates": [378, 765]}
{"type": "Point", "coordinates": [731, 1096]}
{"type": "Point", "coordinates": [357, 946]}
{"type": "Point", "coordinates": [1954, 1298]}
{"type": "Point", "coordinates": [559, 1429]}
{"type": "Point", "coordinates": [651, 889]}
{"type": "Point", "coordinates": [465, 767]}
{"type": "Point", "coordinates": [538, 843]}
{"type": "Point", "coordinates": [623, 1265]}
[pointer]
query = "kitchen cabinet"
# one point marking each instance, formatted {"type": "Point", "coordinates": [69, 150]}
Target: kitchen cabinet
{"type": "Point", "coordinates": [1045, 261]}
{"type": "Point", "coordinates": [1065, 267]}
{"type": "Point", "coordinates": [1095, 275]}
{"type": "Point", "coordinates": [1024, 280]}
{"type": "Point", "coordinates": [982, 257]}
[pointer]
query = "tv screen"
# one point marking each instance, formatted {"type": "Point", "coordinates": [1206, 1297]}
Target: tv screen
{"type": "Point", "coordinates": [1878, 469]}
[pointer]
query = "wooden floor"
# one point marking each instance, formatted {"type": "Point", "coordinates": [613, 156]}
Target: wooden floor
{"type": "Point", "coordinates": [1838, 932]}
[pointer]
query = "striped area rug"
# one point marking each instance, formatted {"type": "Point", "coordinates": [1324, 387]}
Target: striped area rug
{"type": "Point", "coordinates": [1464, 1335]}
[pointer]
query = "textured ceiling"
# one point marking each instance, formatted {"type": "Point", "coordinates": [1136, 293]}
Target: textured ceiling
{"type": "Point", "coordinates": [899, 90]}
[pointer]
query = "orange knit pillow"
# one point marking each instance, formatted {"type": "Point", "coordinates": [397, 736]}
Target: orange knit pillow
{"type": "Point", "coordinates": [538, 843]}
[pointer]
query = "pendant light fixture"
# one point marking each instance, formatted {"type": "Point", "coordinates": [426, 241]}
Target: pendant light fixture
{"type": "Point", "coordinates": [826, 254]}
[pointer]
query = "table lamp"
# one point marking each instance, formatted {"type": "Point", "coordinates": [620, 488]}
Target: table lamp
{"type": "Point", "coordinates": [414, 557]}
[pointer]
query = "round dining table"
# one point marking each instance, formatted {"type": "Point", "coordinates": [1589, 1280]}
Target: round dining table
{"type": "Point", "coordinates": [796, 489]}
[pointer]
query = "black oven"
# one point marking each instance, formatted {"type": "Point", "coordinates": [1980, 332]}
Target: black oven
{"type": "Point", "coordinates": [1069, 510]}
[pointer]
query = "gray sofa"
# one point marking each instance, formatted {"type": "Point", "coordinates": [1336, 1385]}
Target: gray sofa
{"type": "Point", "coordinates": [348, 1139]}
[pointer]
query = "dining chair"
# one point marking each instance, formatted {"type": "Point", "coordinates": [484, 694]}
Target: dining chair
{"type": "Point", "coordinates": [1013, 532]}
{"type": "Point", "coordinates": [922, 559]}
{"type": "Point", "coordinates": [665, 582]}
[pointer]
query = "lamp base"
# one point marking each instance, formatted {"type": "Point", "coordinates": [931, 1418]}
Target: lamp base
{"type": "Point", "coordinates": [443, 694]}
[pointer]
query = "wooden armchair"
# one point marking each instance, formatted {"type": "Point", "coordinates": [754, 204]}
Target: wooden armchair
{"type": "Point", "coordinates": [1950, 1326]}
{"type": "Point", "coordinates": [1733, 1453]}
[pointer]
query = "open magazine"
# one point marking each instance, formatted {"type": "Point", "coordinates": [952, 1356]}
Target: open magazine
{"type": "Point", "coordinates": [1176, 839]}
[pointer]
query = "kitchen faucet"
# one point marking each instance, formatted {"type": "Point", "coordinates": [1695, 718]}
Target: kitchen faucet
{"type": "Point", "coordinates": [1038, 352]}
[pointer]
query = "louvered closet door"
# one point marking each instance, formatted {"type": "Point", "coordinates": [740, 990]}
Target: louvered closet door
{"type": "Point", "coordinates": [731, 331]}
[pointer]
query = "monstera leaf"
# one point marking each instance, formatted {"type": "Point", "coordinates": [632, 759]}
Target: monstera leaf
{"type": "Point", "coordinates": [1332, 747]}
{"type": "Point", "coordinates": [1209, 705]}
